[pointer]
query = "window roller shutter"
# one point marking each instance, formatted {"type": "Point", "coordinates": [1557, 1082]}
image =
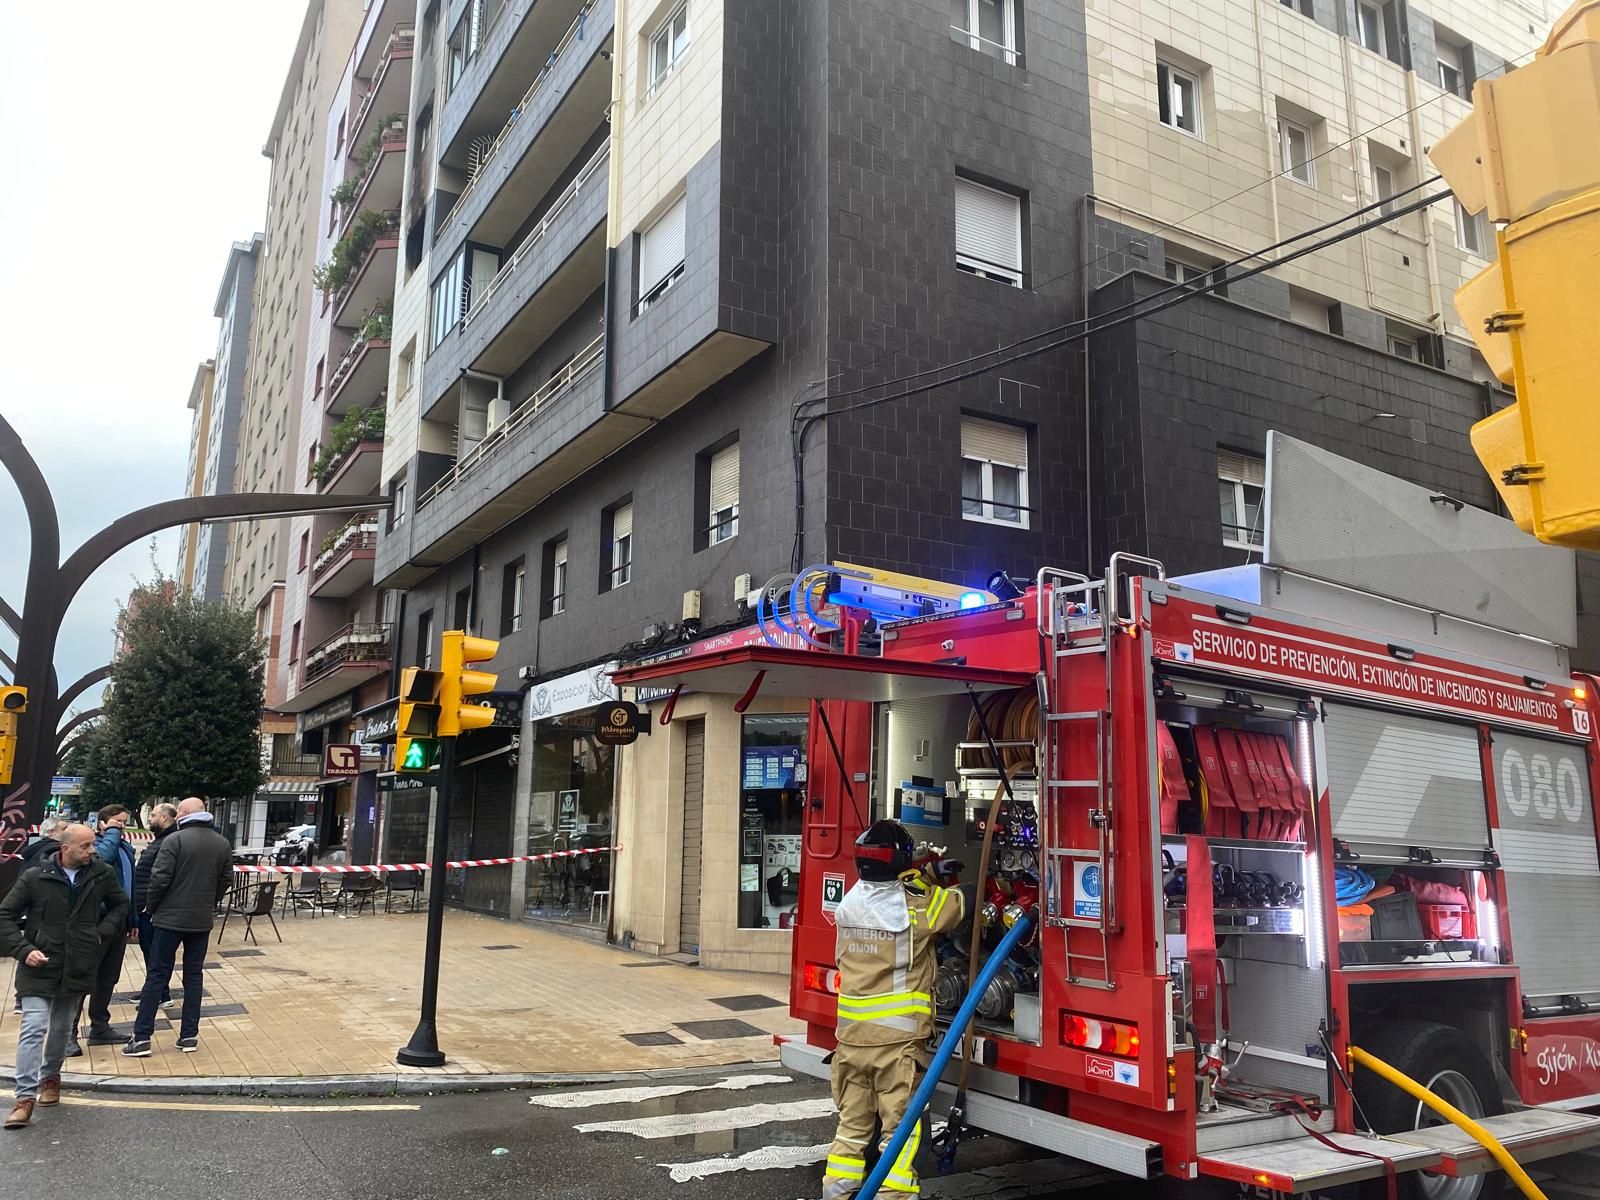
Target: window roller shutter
{"type": "Point", "coordinates": [1233, 465]}
{"type": "Point", "coordinates": [725, 478]}
{"type": "Point", "coordinates": [988, 225]}
{"type": "Point", "coordinates": [622, 523]}
{"type": "Point", "coordinates": [994, 442]}
{"type": "Point", "coordinates": [661, 247]}
{"type": "Point", "coordinates": [561, 554]}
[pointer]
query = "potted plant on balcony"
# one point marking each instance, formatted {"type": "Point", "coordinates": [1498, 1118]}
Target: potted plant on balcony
{"type": "Point", "coordinates": [378, 325]}
{"type": "Point", "coordinates": [350, 251]}
{"type": "Point", "coordinates": [356, 426]}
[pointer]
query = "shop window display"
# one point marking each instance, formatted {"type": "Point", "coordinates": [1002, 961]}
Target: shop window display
{"type": "Point", "coordinates": [570, 809]}
{"type": "Point", "coordinates": [771, 805]}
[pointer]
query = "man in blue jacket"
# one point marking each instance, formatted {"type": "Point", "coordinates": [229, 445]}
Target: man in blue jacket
{"type": "Point", "coordinates": [112, 847]}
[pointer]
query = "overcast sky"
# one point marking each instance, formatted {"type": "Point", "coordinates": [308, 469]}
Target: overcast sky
{"type": "Point", "coordinates": [130, 138]}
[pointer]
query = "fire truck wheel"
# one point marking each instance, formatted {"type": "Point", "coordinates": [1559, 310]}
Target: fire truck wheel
{"type": "Point", "coordinates": [1445, 1061]}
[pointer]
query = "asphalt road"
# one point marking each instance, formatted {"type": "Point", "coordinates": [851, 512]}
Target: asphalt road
{"type": "Point", "coordinates": [737, 1135]}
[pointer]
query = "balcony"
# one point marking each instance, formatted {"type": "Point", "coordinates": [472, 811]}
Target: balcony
{"type": "Point", "coordinates": [351, 657]}
{"type": "Point", "coordinates": [354, 470]}
{"type": "Point", "coordinates": [558, 265]}
{"type": "Point", "coordinates": [344, 566]}
{"type": "Point", "coordinates": [373, 280]}
{"type": "Point", "coordinates": [384, 18]}
{"type": "Point", "coordinates": [362, 376]}
{"type": "Point", "coordinates": [293, 768]}
{"type": "Point", "coordinates": [391, 88]}
{"type": "Point", "coordinates": [380, 184]}
{"type": "Point", "coordinates": [559, 110]}
{"type": "Point", "coordinates": [553, 437]}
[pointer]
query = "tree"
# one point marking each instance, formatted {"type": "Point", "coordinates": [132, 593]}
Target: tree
{"type": "Point", "coordinates": [87, 758]}
{"type": "Point", "coordinates": [184, 704]}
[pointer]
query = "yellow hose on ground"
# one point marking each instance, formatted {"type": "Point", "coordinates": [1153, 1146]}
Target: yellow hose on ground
{"type": "Point", "coordinates": [1452, 1114]}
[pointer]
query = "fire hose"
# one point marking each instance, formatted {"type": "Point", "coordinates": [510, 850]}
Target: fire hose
{"type": "Point", "coordinates": [941, 1058]}
{"type": "Point", "coordinates": [1450, 1113]}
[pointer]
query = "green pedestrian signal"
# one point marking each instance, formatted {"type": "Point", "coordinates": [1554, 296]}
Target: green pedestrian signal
{"type": "Point", "coordinates": [417, 757]}
{"type": "Point", "coordinates": [416, 746]}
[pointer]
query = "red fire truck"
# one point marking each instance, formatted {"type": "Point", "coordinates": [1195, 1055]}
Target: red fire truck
{"type": "Point", "coordinates": [1254, 836]}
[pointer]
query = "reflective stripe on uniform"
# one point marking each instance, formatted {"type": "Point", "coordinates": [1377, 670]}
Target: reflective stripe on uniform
{"type": "Point", "coordinates": [936, 905]}
{"type": "Point", "coordinates": [902, 1177]}
{"type": "Point", "coordinates": [840, 1167]}
{"type": "Point", "coordinates": [891, 1004]}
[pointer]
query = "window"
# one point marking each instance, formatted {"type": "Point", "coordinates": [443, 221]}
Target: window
{"type": "Point", "coordinates": [305, 549]}
{"type": "Point", "coordinates": [397, 514]}
{"type": "Point", "coordinates": [1383, 186]}
{"type": "Point", "coordinates": [988, 26]}
{"type": "Point", "coordinates": [617, 549]}
{"type": "Point", "coordinates": [662, 253]}
{"type": "Point", "coordinates": [1178, 98]}
{"type": "Point", "coordinates": [1296, 159]}
{"type": "Point", "coordinates": [1403, 347]}
{"type": "Point", "coordinates": [1469, 231]}
{"type": "Point", "coordinates": [1452, 62]}
{"type": "Point", "coordinates": [994, 472]}
{"type": "Point", "coordinates": [1309, 309]}
{"type": "Point", "coordinates": [445, 302]}
{"type": "Point", "coordinates": [555, 576]}
{"type": "Point", "coordinates": [723, 492]}
{"type": "Point", "coordinates": [463, 609]}
{"type": "Point", "coordinates": [513, 585]}
{"type": "Point", "coordinates": [1369, 28]}
{"type": "Point", "coordinates": [425, 640]}
{"type": "Point", "coordinates": [1191, 271]}
{"type": "Point", "coordinates": [668, 44]}
{"type": "Point", "coordinates": [322, 364]}
{"type": "Point", "coordinates": [1242, 481]}
{"type": "Point", "coordinates": [406, 373]}
{"type": "Point", "coordinates": [294, 642]}
{"type": "Point", "coordinates": [1304, 6]}
{"type": "Point", "coordinates": [988, 232]}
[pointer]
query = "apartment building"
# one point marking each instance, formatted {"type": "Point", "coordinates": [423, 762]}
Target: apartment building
{"type": "Point", "coordinates": [194, 475]}
{"type": "Point", "coordinates": [338, 656]}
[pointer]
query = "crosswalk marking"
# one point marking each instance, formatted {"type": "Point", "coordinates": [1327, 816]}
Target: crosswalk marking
{"type": "Point", "coordinates": [678, 1124]}
{"type": "Point", "coordinates": [766, 1158]}
{"type": "Point", "coordinates": [634, 1095]}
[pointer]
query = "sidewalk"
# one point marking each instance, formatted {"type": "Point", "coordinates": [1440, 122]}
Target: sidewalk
{"type": "Point", "coordinates": [340, 996]}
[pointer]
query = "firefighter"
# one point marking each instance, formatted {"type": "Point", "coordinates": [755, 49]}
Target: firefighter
{"type": "Point", "coordinates": [888, 924]}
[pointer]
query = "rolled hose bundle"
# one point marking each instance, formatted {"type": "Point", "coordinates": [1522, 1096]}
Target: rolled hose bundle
{"type": "Point", "coordinates": [1351, 884]}
{"type": "Point", "coordinates": [1012, 717]}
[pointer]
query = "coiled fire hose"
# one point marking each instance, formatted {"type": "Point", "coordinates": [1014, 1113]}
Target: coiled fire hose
{"type": "Point", "coordinates": [1450, 1113]}
{"type": "Point", "coordinates": [941, 1058]}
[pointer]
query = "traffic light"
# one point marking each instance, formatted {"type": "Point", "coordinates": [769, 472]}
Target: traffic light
{"type": "Point", "coordinates": [1529, 156]}
{"type": "Point", "coordinates": [13, 702]}
{"type": "Point", "coordinates": [416, 743]}
{"type": "Point", "coordinates": [459, 651]}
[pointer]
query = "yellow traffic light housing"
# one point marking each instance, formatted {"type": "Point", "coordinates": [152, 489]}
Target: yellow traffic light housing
{"type": "Point", "coordinates": [13, 701]}
{"type": "Point", "coordinates": [1529, 155]}
{"type": "Point", "coordinates": [416, 743]}
{"type": "Point", "coordinates": [458, 652]}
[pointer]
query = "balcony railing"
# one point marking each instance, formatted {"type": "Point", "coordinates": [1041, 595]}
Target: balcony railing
{"type": "Point", "coordinates": [395, 129]}
{"type": "Point", "coordinates": [390, 228]}
{"type": "Point", "coordinates": [567, 198]}
{"type": "Point", "coordinates": [294, 766]}
{"type": "Point", "coordinates": [573, 32]}
{"type": "Point", "coordinates": [353, 643]}
{"type": "Point", "coordinates": [585, 361]}
{"type": "Point", "coordinates": [358, 533]}
{"type": "Point", "coordinates": [353, 355]}
{"type": "Point", "coordinates": [403, 38]}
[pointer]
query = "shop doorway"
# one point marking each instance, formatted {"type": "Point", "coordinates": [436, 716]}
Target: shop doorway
{"type": "Point", "coordinates": [694, 779]}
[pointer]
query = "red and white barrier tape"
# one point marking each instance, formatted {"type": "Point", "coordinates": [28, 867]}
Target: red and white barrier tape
{"type": "Point", "coordinates": [378, 868]}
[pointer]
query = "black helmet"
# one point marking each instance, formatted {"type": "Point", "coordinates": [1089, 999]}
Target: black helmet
{"type": "Point", "coordinates": [883, 852]}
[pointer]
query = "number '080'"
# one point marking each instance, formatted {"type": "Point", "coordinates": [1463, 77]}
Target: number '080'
{"type": "Point", "coordinates": [1532, 784]}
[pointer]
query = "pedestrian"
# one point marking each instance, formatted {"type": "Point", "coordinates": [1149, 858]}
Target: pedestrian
{"type": "Point", "coordinates": [163, 818]}
{"type": "Point", "coordinates": [888, 924]}
{"type": "Point", "coordinates": [44, 844]}
{"type": "Point", "coordinates": [74, 905]}
{"type": "Point", "coordinates": [191, 874]}
{"type": "Point", "coordinates": [114, 849]}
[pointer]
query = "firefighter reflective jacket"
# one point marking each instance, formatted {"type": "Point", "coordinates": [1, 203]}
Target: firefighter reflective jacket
{"type": "Point", "coordinates": [886, 958]}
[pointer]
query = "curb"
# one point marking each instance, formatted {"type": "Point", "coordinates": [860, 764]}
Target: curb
{"type": "Point", "coordinates": [377, 1084]}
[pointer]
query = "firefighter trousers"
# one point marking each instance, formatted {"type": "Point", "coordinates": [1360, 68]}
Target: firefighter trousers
{"type": "Point", "coordinates": [872, 1084]}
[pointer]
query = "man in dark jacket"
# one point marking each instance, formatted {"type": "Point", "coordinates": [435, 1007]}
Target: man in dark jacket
{"type": "Point", "coordinates": [74, 905]}
{"type": "Point", "coordinates": [192, 872]}
{"type": "Point", "coordinates": [112, 845]}
{"type": "Point", "coordinates": [163, 819]}
{"type": "Point", "coordinates": [34, 853]}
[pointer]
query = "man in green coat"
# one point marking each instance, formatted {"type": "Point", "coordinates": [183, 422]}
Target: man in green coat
{"type": "Point", "coordinates": [75, 905]}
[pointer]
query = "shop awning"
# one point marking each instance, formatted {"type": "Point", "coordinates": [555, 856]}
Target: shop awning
{"type": "Point", "coordinates": [817, 675]}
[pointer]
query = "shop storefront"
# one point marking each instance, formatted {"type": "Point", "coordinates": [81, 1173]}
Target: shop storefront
{"type": "Point", "coordinates": [571, 800]}
{"type": "Point", "coordinates": [710, 808]}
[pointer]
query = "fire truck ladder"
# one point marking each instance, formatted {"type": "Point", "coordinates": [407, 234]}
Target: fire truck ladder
{"type": "Point", "coordinates": [1081, 618]}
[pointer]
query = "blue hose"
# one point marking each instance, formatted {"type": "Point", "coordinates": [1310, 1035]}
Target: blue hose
{"type": "Point", "coordinates": [941, 1058]}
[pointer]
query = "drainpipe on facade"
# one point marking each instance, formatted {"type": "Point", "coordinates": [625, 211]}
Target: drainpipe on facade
{"type": "Point", "coordinates": [614, 114]}
{"type": "Point", "coordinates": [1430, 249]}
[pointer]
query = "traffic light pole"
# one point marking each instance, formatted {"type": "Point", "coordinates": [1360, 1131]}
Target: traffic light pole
{"type": "Point", "coordinates": [423, 1048]}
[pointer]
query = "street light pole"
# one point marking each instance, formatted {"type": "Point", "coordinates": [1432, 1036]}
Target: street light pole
{"type": "Point", "coordinates": [423, 1048]}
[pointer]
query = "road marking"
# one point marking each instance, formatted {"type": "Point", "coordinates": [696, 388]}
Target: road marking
{"type": "Point", "coordinates": [634, 1095]}
{"type": "Point", "coordinates": [767, 1158]}
{"type": "Point", "coordinates": [192, 1106]}
{"type": "Point", "coordinates": [678, 1124]}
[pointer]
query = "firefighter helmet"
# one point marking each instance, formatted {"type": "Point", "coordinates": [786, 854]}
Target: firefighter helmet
{"type": "Point", "coordinates": [883, 851]}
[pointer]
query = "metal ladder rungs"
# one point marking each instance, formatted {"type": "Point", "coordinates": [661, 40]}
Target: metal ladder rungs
{"type": "Point", "coordinates": [1076, 716]}
{"type": "Point", "coordinates": [1072, 783]}
{"type": "Point", "coordinates": [1077, 852]}
{"type": "Point", "coordinates": [1096, 648]}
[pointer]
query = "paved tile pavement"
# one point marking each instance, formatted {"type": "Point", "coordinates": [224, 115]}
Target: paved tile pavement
{"type": "Point", "coordinates": [339, 996]}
